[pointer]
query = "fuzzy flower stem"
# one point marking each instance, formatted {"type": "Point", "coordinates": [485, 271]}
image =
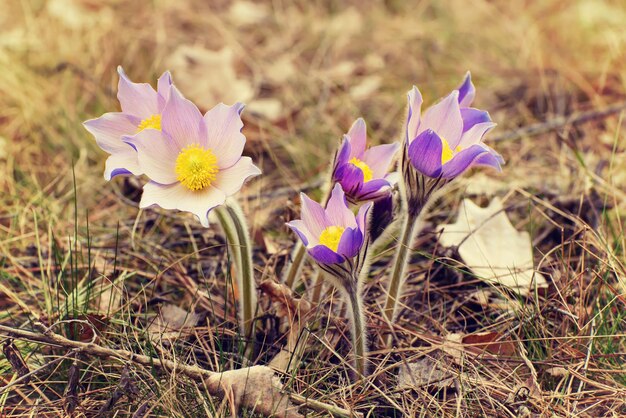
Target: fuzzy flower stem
{"type": "Point", "coordinates": [401, 260]}
{"type": "Point", "coordinates": [235, 227]}
{"type": "Point", "coordinates": [293, 269]}
{"type": "Point", "coordinates": [359, 337]}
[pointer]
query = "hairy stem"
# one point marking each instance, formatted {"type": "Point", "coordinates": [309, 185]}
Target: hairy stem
{"type": "Point", "coordinates": [359, 337]}
{"type": "Point", "coordinates": [400, 262]}
{"type": "Point", "coordinates": [293, 269]}
{"type": "Point", "coordinates": [246, 274]}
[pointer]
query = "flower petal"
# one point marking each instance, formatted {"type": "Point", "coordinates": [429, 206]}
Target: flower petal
{"type": "Point", "coordinates": [413, 118]}
{"type": "Point", "coordinates": [467, 91]}
{"type": "Point", "coordinates": [230, 180]}
{"type": "Point", "coordinates": [324, 255]}
{"type": "Point", "coordinates": [109, 128]}
{"type": "Point", "coordinates": [350, 243]}
{"type": "Point", "coordinates": [425, 153]}
{"type": "Point", "coordinates": [182, 121]}
{"type": "Point", "coordinates": [303, 232]}
{"type": "Point", "coordinates": [465, 160]}
{"type": "Point", "coordinates": [445, 119]}
{"type": "Point", "coordinates": [361, 217]}
{"type": "Point", "coordinates": [177, 196]}
{"type": "Point", "coordinates": [475, 134]}
{"type": "Point", "coordinates": [163, 89]}
{"type": "Point", "coordinates": [473, 117]}
{"type": "Point", "coordinates": [374, 189]}
{"type": "Point", "coordinates": [137, 99]}
{"type": "Point", "coordinates": [156, 154]}
{"type": "Point", "coordinates": [314, 216]}
{"type": "Point", "coordinates": [350, 177]}
{"type": "Point", "coordinates": [224, 135]}
{"type": "Point", "coordinates": [379, 158]}
{"type": "Point", "coordinates": [358, 138]}
{"type": "Point", "coordinates": [343, 155]}
{"type": "Point", "coordinates": [122, 163]}
{"type": "Point", "coordinates": [337, 210]}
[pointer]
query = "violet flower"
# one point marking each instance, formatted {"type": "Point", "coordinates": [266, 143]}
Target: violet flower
{"type": "Point", "coordinates": [141, 109]}
{"type": "Point", "coordinates": [363, 173]}
{"type": "Point", "coordinates": [337, 240]}
{"type": "Point", "coordinates": [446, 140]}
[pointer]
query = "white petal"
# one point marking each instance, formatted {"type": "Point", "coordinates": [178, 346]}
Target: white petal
{"type": "Point", "coordinates": [177, 196]}
{"type": "Point", "coordinates": [138, 99]}
{"type": "Point", "coordinates": [109, 128]}
{"type": "Point", "coordinates": [156, 154]}
{"type": "Point", "coordinates": [445, 119]}
{"type": "Point", "coordinates": [337, 209]}
{"type": "Point", "coordinates": [230, 180]}
{"type": "Point", "coordinates": [224, 137]}
{"type": "Point", "coordinates": [182, 120]}
{"type": "Point", "coordinates": [120, 162]}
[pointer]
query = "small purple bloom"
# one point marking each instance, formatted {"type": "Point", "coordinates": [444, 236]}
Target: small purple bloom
{"type": "Point", "coordinates": [334, 234]}
{"type": "Point", "coordinates": [141, 109]}
{"type": "Point", "coordinates": [447, 139]}
{"type": "Point", "coordinates": [362, 172]}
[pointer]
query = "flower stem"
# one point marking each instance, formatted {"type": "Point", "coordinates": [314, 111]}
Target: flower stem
{"type": "Point", "coordinates": [293, 269]}
{"type": "Point", "coordinates": [401, 260]}
{"type": "Point", "coordinates": [359, 337]}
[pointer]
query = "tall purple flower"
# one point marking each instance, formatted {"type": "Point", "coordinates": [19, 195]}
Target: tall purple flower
{"type": "Point", "coordinates": [362, 172]}
{"type": "Point", "coordinates": [447, 139]}
{"type": "Point", "coordinates": [142, 107]}
{"type": "Point", "coordinates": [195, 162]}
{"type": "Point", "coordinates": [332, 235]}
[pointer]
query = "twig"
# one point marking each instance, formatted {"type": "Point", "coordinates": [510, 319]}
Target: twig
{"type": "Point", "coordinates": [193, 372]}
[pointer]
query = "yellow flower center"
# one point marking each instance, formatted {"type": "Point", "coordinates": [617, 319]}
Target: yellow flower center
{"type": "Point", "coordinates": [331, 236]}
{"type": "Point", "coordinates": [446, 151]}
{"type": "Point", "coordinates": [151, 122]}
{"type": "Point", "coordinates": [365, 169]}
{"type": "Point", "coordinates": [196, 167]}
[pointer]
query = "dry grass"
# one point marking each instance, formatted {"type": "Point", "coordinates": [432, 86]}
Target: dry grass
{"type": "Point", "coordinates": [73, 246]}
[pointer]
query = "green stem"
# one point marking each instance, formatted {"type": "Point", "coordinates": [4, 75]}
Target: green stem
{"type": "Point", "coordinates": [293, 269]}
{"type": "Point", "coordinates": [248, 285]}
{"type": "Point", "coordinates": [399, 266]}
{"type": "Point", "coordinates": [359, 338]}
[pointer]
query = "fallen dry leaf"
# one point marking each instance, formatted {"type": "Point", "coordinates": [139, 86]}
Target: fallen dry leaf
{"type": "Point", "coordinates": [492, 248]}
{"type": "Point", "coordinates": [457, 344]}
{"type": "Point", "coordinates": [257, 388]}
{"type": "Point", "coordinates": [171, 321]}
{"type": "Point", "coordinates": [424, 372]}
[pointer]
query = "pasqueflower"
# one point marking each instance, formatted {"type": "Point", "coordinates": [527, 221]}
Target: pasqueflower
{"type": "Point", "coordinates": [363, 173]}
{"type": "Point", "coordinates": [447, 139]}
{"type": "Point", "coordinates": [193, 162]}
{"type": "Point", "coordinates": [142, 107]}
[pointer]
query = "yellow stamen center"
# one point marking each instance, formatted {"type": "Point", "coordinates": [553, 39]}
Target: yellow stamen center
{"type": "Point", "coordinates": [365, 169]}
{"type": "Point", "coordinates": [196, 167]}
{"type": "Point", "coordinates": [151, 122]}
{"type": "Point", "coordinates": [446, 151]}
{"type": "Point", "coordinates": [331, 236]}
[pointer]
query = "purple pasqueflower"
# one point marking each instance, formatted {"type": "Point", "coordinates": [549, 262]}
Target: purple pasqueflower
{"type": "Point", "coordinates": [362, 172]}
{"type": "Point", "coordinates": [447, 139]}
{"type": "Point", "coordinates": [141, 109]}
{"type": "Point", "coordinates": [194, 163]}
{"type": "Point", "coordinates": [333, 234]}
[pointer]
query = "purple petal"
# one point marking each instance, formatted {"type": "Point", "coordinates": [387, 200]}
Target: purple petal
{"type": "Point", "coordinates": [300, 228]}
{"type": "Point", "coordinates": [361, 217]}
{"type": "Point", "coordinates": [230, 180]}
{"type": "Point", "coordinates": [314, 216]}
{"type": "Point", "coordinates": [156, 154]}
{"type": "Point", "coordinates": [413, 118]}
{"type": "Point", "coordinates": [373, 189]}
{"type": "Point", "coordinates": [358, 138]}
{"type": "Point", "coordinates": [137, 99]}
{"type": "Point", "coordinates": [491, 159]}
{"type": "Point", "coordinates": [343, 155]}
{"type": "Point", "coordinates": [466, 159]}
{"type": "Point", "coordinates": [109, 128]}
{"type": "Point", "coordinates": [425, 153]}
{"type": "Point", "coordinates": [350, 242]}
{"type": "Point", "coordinates": [177, 196]}
{"type": "Point", "coordinates": [473, 117]}
{"type": "Point", "coordinates": [467, 91]}
{"type": "Point", "coordinates": [324, 255]}
{"type": "Point", "coordinates": [350, 177]}
{"type": "Point", "coordinates": [445, 119]}
{"type": "Point", "coordinates": [224, 135]}
{"type": "Point", "coordinates": [182, 120]}
{"type": "Point", "coordinates": [379, 158]}
{"type": "Point", "coordinates": [163, 89]}
{"type": "Point", "coordinates": [122, 163]}
{"type": "Point", "coordinates": [337, 210]}
{"type": "Point", "coordinates": [475, 134]}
